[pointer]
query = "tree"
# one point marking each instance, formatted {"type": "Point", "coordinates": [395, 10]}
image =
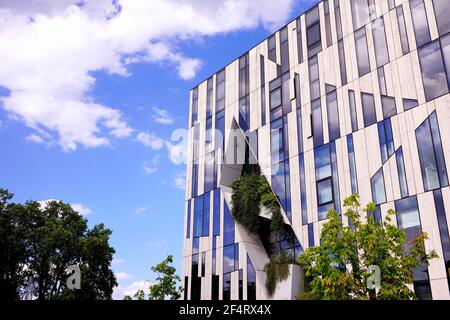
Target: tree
{"type": "Point", "coordinates": [166, 281]}
{"type": "Point", "coordinates": [341, 266]}
{"type": "Point", "coordinates": [41, 242]}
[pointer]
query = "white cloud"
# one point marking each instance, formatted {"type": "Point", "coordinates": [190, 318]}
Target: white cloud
{"type": "Point", "coordinates": [157, 244]}
{"type": "Point", "coordinates": [118, 261]}
{"type": "Point", "coordinates": [122, 276]}
{"type": "Point", "coordinates": [81, 209]}
{"type": "Point", "coordinates": [150, 167]}
{"type": "Point", "coordinates": [35, 138]}
{"type": "Point", "coordinates": [162, 116]}
{"type": "Point", "coordinates": [180, 181]}
{"type": "Point", "coordinates": [151, 140]}
{"type": "Point", "coordinates": [140, 210]}
{"type": "Point", "coordinates": [54, 47]}
{"type": "Point", "coordinates": [121, 290]}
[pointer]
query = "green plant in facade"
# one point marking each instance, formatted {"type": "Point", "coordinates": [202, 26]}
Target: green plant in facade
{"type": "Point", "coordinates": [340, 267]}
{"type": "Point", "coordinates": [251, 192]}
{"type": "Point", "coordinates": [277, 270]}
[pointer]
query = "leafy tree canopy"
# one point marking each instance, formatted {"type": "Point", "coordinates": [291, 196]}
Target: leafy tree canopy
{"type": "Point", "coordinates": [340, 267]}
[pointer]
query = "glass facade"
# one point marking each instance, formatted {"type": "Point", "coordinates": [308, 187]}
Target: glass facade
{"type": "Point", "coordinates": [350, 97]}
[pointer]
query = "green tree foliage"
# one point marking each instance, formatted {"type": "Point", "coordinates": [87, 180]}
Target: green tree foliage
{"type": "Point", "coordinates": [166, 284]}
{"type": "Point", "coordinates": [338, 269]}
{"type": "Point", "coordinates": [42, 242]}
{"type": "Point", "coordinates": [250, 192]}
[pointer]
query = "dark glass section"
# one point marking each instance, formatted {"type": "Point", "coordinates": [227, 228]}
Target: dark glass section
{"type": "Point", "coordinates": [284, 50]}
{"type": "Point", "coordinates": [215, 287]}
{"type": "Point", "coordinates": [362, 52]}
{"type": "Point", "coordinates": [226, 287]}
{"type": "Point", "coordinates": [244, 90]}
{"type": "Point", "coordinates": [333, 116]}
{"type": "Point", "coordinates": [228, 258]}
{"type": "Point", "coordinates": [409, 104]}
{"type": "Point", "coordinates": [408, 220]}
{"type": "Point", "coordinates": [342, 63]}
{"type": "Point", "coordinates": [220, 90]}
{"type": "Point", "coordinates": [282, 186]}
{"type": "Point", "coordinates": [368, 105]}
{"type": "Point", "coordinates": [198, 216]}
{"type": "Point", "coordinates": [401, 172]}
{"type": "Point", "coordinates": [251, 280]}
{"type": "Point", "coordinates": [445, 43]}
{"type": "Point", "coordinates": [317, 126]}
{"type": "Point", "coordinates": [432, 162]}
{"type": "Point", "coordinates": [386, 139]}
{"type": "Point", "coordinates": [377, 186]}
{"type": "Point", "coordinates": [360, 13]}
{"type": "Point", "coordinates": [299, 41]}
{"type": "Point", "coordinates": [352, 164]}
{"type": "Point", "coordinates": [389, 107]}
{"type": "Point", "coordinates": [382, 81]}
{"type": "Point", "coordinates": [313, 36]}
{"type": "Point", "coordinates": [186, 286]}
{"type": "Point", "coordinates": [433, 71]}
{"type": "Point", "coordinates": [327, 180]}
{"type": "Point", "coordinates": [314, 82]}
{"type": "Point", "coordinates": [203, 264]}
{"type": "Point", "coordinates": [337, 14]}
{"type": "Point", "coordinates": [195, 279]}
{"type": "Point", "coordinates": [443, 230]}
{"type": "Point", "coordinates": [298, 100]}
{"type": "Point", "coordinates": [310, 235]}
{"type": "Point", "coordinates": [352, 106]}
{"type": "Point", "coordinates": [263, 90]}
{"type": "Point", "coordinates": [402, 29]}
{"type": "Point", "coordinates": [380, 42]}
{"type": "Point", "coordinates": [228, 226]}
{"type": "Point", "coordinates": [442, 12]}
{"type": "Point", "coordinates": [241, 285]}
{"type": "Point", "coordinates": [209, 97]}
{"type": "Point", "coordinates": [420, 22]}
{"type": "Point", "coordinates": [272, 48]}
{"type": "Point", "coordinates": [206, 214]}
{"type": "Point", "coordinates": [326, 8]}
{"type": "Point", "coordinates": [188, 222]}
{"type": "Point", "coordinates": [194, 115]}
{"type": "Point", "coordinates": [304, 207]}
{"type": "Point", "coordinates": [216, 213]}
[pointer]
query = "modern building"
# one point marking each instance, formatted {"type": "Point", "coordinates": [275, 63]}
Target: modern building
{"type": "Point", "coordinates": [350, 97]}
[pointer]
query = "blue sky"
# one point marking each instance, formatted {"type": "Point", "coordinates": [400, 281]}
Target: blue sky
{"type": "Point", "coordinates": [112, 159]}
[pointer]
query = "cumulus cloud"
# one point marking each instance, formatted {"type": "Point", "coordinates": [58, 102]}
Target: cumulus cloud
{"type": "Point", "coordinates": [80, 208]}
{"type": "Point", "coordinates": [129, 290]}
{"type": "Point", "coordinates": [162, 116]}
{"type": "Point", "coordinates": [151, 140]}
{"type": "Point", "coordinates": [180, 181]}
{"type": "Point", "coordinates": [51, 49]}
{"type": "Point", "coordinates": [122, 276]}
{"type": "Point", "coordinates": [118, 261]}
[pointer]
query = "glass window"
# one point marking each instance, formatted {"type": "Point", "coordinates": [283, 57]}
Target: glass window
{"type": "Point", "coordinates": [194, 106]}
{"type": "Point", "coordinates": [352, 106]}
{"type": "Point", "coordinates": [317, 126]}
{"type": "Point", "coordinates": [407, 213]}
{"type": "Point", "coordinates": [409, 104]}
{"type": "Point", "coordinates": [382, 81]}
{"type": "Point", "coordinates": [380, 43]}
{"type": "Point", "coordinates": [360, 13]}
{"type": "Point", "coordinates": [420, 22]}
{"type": "Point", "coordinates": [377, 186]}
{"type": "Point", "coordinates": [337, 14]}
{"type": "Point", "coordinates": [272, 49]}
{"type": "Point", "coordinates": [433, 71]}
{"type": "Point", "coordinates": [194, 184]}
{"type": "Point", "coordinates": [401, 172]}
{"type": "Point", "coordinates": [219, 138]}
{"type": "Point", "coordinates": [303, 189]}
{"type": "Point", "coordinates": [299, 41]}
{"type": "Point", "coordinates": [322, 161]}
{"type": "Point", "coordinates": [333, 116]}
{"type": "Point", "coordinates": [228, 226]}
{"type": "Point", "coordinates": [324, 192]}
{"type": "Point", "coordinates": [297, 90]}
{"type": "Point", "coordinates": [226, 287]}
{"type": "Point", "coordinates": [299, 131]}
{"type": "Point", "coordinates": [369, 113]}
{"type": "Point", "coordinates": [342, 63]}
{"type": "Point", "coordinates": [313, 36]}
{"type": "Point", "coordinates": [314, 78]}
{"type": "Point", "coordinates": [198, 216]}
{"type": "Point", "coordinates": [277, 141]}
{"type": "Point", "coordinates": [284, 49]}
{"type": "Point", "coordinates": [275, 98]}
{"type": "Point", "coordinates": [216, 213]}
{"type": "Point", "coordinates": [402, 29]}
{"type": "Point", "coordinates": [386, 139]}
{"type": "Point", "coordinates": [310, 235]}
{"type": "Point", "coordinates": [263, 89]}
{"type": "Point", "coordinates": [443, 229]}
{"type": "Point", "coordinates": [362, 52]}
{"type": "Point", "coordinates": [228, 258]}
{"type": "Point", "coordinates": [206, 214]}
{"type": "Point", "coordinates": [281, 185]}
{"type": "Point", "coordinates": [208, 132]}
{"type": "Point", "coordinates": [389, 106]}
{"type": "Point", "coordinates": [209, 171]}
{"type": "Point", "coordinates": [220, 90]}
{"type": "Point", "coordinates": [445, 42]}
{"type": "Point", "coordinates": [432, 163]}
{"type": "Point", "coordinates": [352, 164]}
{"type": "Point", "coordinates": [251, 280]}
{"type": "Point", "coordinates": [188, 220]}
{"type": "Point", "coordinates": [209, 97]}
{"type": "Point", "coordinates": [391, 4]}
{"type": "Point", "coordinates": [442, 11]}
{"type": "Point", "coordinates": [326, 7]}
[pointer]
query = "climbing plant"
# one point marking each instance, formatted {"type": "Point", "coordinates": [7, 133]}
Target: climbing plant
{"type": "Point", "coordinates": [277, 270]}
{"type": "Point", "coordinates": [251, 192]}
